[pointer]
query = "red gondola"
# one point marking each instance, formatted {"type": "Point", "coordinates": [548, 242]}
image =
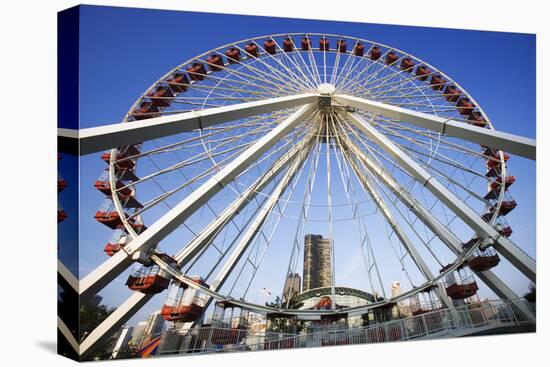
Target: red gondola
{"type": "Point", "coordinates": [508, 181]}
{"type": "Point", "coordinates": [492, 163]}
{"type": "Point", "coordinates": [118, 240]}
{"type": "Point", "coordinates": [138, 226]}
{"type": "Point", "coordinates": [422, 73]}
{"type": "Point", "coordinates": [233, 55]}
{"type": "Point", "coordinates": [494, 186]}
{"type": "Point", "coordinates": [391, 58]}
{"type": "Point", "coordinates": [61, 215]}
{"type": "Point", "coordinates": [251, 49]}
{"type": "Point", "coordinates": [425, 301]}
{"type": "Point", "coordinates": [103, 184]}
{"type": "Point", "coordinates": [112, 248]}
{"type": "Point", "coordinates": [306, 44]}
{"type": "Point", "coordinates": [375, 53]}
{"type": "Point", "coordinates": [342, 46]}
{"type": "Point", "coordinates": [178, 82]}
{"type": "Point", "coordinates": [477, 119]}
{"type": "Point", "coordinates": [459, 284]}
{"type": "Point", "coordinates": [505, 208]}
{"type": "Point", "coordinates": [150, 279]}
{"type": "Point", "coordinates": [146, 110]}
{"type": "Point", "coordinates": [220, 319]}
{"type": "Point", "coordinates": [132, 149]}
{"type": "Point", "coordinates": [452, 93]}
{"type": "Point", "coordinates": [196, 71]}
{"type": "Point", "coordinates": [130, 201]}
{"type": "Point", "coordinates": [324, 44]}
{"type": "Point", "coordinates": [110, 218]}
{"type": "Point", "coordinates": [482, 260]}
{"type": "Point", "coordinates": [493, 172]}
{"type": "Point", "coordinates": [494, 158]}
{"type": "Point", "coordinates": [465, 106]}
{"type": "Point", "coordinates": [227, 331]}
{"type": "Point", "coordinates": [215, 62]}
{"type": "Point", "coordinates": [61, 183]}
{"type": "Point", "coordinates": [105, 187]}
{"type": "Point", "coordinates": [288, 45]}
{"type": "Point", "coordinates": [162, 96]}
{"type": "Point", "coordinates": [184, 303]}
{"type": "Point", "coordinates": [506, 231]}
{"type": "Point", "coordinates": [270, 47]}
{"type": "Point", "coordinates": [125, 174]}
{"type": "Point", "coordinates": [493, 153]}
{"type": "Point", "coordinates": [407, 64]}
{"type": "Point", "coordinates": [120, 158]}
{"type": "Point", "coordinates": [437, 82]}
{"type": "Point", "coordinates": [359, 49]}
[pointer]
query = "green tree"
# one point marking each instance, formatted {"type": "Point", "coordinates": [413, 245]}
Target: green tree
{"type": "Point", "coordinates": [92, 314]}
{"type": "Point", "coordinates": [531, 296]}
{"type": "Point", "coordinates": [277, 303]}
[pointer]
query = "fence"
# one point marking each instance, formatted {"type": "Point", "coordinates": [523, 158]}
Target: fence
{"type": "Point", "coordinates": [457, 321]}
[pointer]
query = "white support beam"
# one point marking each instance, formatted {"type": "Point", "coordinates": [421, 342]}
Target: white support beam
{"type": "Point", "coordinates": [113, 322]}
{"type": "Point", "coordinates": [370, 187]}
{"type": "Point", "coordinates": [67, 276]}
{"type": "Point", "coordinates": [258, 222]}
{"type": "Point", "coordinates": [206, 234]}
{"type": "Point", "coordinates": [100, 138]}
{"type": "Point", "coordinates": [146, 241]}
{"type": "Point", "coordinates": [67, 334]}
{"type": "Point", "coordinates": [442, 232]}
{"type": "Point", "coordinates": [254, 227]}
{"type": "Point", "coordinates": [137, 300]}
{"type": "Point", "coordinates": [514, 144]}
{"type": "Point", "coordinates": [503, 245]}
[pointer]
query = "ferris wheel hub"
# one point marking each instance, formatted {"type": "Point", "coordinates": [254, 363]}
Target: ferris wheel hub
{"type": "Point", "coordinates": [326, 89]}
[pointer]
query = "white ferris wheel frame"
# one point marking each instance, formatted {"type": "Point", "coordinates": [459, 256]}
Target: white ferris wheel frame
{"type": "Point", "coordinates": [111, 136]}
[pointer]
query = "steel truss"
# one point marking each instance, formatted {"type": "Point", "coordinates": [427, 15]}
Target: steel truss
{"type": "Point", "coordinates": [111, 268]}
{"type": "Point", "coordinates": [495, 139]}
{"type": "Point", "coordinates": [484, 230]}
{"type": "Point", "coordinates": [438, 228]}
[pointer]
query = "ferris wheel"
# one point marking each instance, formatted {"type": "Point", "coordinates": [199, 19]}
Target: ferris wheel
{"type": "Point", "coordinates": [231, 158]}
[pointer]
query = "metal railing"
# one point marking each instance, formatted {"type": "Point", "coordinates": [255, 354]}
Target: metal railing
{"type": "Point", "coordinates": [458, 321]}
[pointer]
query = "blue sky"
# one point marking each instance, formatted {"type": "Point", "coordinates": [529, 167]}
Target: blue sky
{"type": "Point", "coordinates": [123, 51]}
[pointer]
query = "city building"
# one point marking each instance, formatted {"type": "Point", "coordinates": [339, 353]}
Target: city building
{"type": "Point", "coordinates": [395, 289]}
{"type": "Point", "coordinates": [293, 284]}
{"type": "Point", "coordinates": [402, 308]}
{"type": "Point", "coordinates": [121, 345]}
{"type": "Point", "coordinates": [344, 297]}
{"type": "Point", "coordinates": [138, 333]}
{"type": "Point", "coordinates": [153, 328]}
{"type": "Point", "coordinates": [317, 262]}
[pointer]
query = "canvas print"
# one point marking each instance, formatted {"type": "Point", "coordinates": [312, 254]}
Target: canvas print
{"type": "Point", "coordinates": [237, 183]}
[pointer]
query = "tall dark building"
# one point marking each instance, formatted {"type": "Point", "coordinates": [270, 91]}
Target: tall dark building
{"type": "Point", "coordinates": [317, 259]}
{"type": "Point", "coordinates": [292, 286]}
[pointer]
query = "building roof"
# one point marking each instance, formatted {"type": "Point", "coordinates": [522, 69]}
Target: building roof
{"type": "Point", "coordinates": [325, 291]}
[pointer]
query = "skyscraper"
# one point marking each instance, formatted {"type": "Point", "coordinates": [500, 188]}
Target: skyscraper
{"type": "Point", "coordinates": [121, 344]}
{"type": "Point", "coordinates": [292, 286]}
{"type": "Point", "coordinates": [153, 328]}
{"type": "Point", "coordinates": [317, 262]}
{"type": "Point", "coordinates": [137, 335]}
{"type": "Point", "coordinates": [395, 289]}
